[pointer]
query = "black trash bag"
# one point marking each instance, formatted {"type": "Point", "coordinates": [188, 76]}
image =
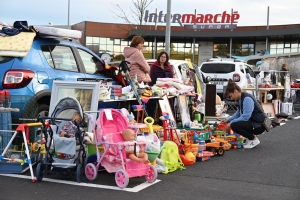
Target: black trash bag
{"type": "Point", "coordinates": [22, 26]}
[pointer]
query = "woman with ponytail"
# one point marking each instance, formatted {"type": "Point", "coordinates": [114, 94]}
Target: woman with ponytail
{"type": "Point", "coordinates": [248, 119]}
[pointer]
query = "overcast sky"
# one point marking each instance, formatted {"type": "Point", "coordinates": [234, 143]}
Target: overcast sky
{"type": "Point", "coordinates": [41, 12]}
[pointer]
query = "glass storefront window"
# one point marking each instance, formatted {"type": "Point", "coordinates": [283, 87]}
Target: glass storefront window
{"type": "Point", "coordinates": [180, 50]}
{"type": "Point", "coordinates": [109, 41]}
{"type": "Point", "coordinates": [188, 50]}
{"type": "Point", "coordinates": [89, 40]}
{"type": "Point", "coordinates": [117, 49]}
{"type": "Point", "coordinates": [117, 41]}
{"type": "Point", "coordinates": [279, 51]}
{"type": "Point", "coordinates": [273, 45]}
{"type": "Point", "coordinates": [102, 40]}
{"type": "Point", "coordinates": [180, 45]}
{"type": "Point", "coordinates": [160, 45]}
{"type": "Point", "coordinates": [294, 50]}
{"type": "Point", "coordinates": [124, 43]}
{"type": "Point", "coordinates": [273, 51]}
{"type": "Point", "coordinates": [188, 45]}
{"type": "Point", "coordinates": [294, 44]}
{"type": "Point", "coordinates": [279, 44]}
{"type": "Point", "coordinates": [109, 49]}
{"type": "Point", "coordinates": [96, 40]}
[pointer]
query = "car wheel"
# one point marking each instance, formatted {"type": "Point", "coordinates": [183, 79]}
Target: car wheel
{"type": "Point", "coordinates": [34, 110]}
{"type": "Point", "coordinates": [43, 110]}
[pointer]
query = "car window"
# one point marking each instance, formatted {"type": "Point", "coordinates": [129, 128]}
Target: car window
{"type": "Point", "coordinates": [221, 68]}
{"type": "Point", "coordinates": [4, 59]}
{"type": "Point", "coordinates": [242, 68]}
{"type": "Point", "coordinates": [174, 71]}
{"type": "Point", "coordinates": [183, 70]}
{"type": "Point", "coordinates": [60, 57]}
{"type": "Point", "coordinates": [87, 60]}
{"type": "Point", "coordinates": [250, 71]}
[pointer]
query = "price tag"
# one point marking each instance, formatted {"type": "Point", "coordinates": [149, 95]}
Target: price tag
{"type": "Point", "coordinates": [108, 114]}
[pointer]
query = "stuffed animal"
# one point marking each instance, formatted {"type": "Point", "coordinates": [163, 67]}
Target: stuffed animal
{"type": "Point", "coordinates": [130, 117]}
{"type": "Point", "coordinates": [133, 151]}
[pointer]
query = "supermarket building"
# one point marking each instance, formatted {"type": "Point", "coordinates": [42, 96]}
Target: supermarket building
{"type": "Point", "coordinates": [195, 37]}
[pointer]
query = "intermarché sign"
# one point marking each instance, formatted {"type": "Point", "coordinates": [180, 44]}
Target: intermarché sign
{"type": "Point", "coordinates": [199, 21]}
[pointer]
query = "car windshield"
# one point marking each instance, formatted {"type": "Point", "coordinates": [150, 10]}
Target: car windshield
{"type": "Point", "coordinates": [4, 59]}
{"type": "Point", "coordinates": [220, 68]}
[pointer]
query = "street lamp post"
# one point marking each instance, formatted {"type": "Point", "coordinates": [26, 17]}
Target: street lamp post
{"type": "Point", "coordinates": [168, 29]}
{"type": "Point", "coordinates": [69, 14]}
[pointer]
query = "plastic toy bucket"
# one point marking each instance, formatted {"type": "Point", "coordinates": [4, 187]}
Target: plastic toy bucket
{"type": "Point", "coordinates": [152, 155]}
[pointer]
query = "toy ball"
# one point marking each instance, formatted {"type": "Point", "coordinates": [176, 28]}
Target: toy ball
{"type": "Point", "coordinates": [269, 96]}
{"type": "Point", "coordinates": [190, 156]}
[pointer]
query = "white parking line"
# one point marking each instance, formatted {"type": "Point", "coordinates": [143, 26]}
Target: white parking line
{"type": "Point", "coordinates": [297, 117]}
{"type": "Point", "coordinates": [134, 189]}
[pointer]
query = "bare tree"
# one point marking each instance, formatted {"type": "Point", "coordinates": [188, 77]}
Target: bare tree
{"type": "Point", "coordinates": [136, 13]}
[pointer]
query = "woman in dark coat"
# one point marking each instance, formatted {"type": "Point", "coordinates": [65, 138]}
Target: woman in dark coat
{"type": "Point", "coordinates": [161, 68]}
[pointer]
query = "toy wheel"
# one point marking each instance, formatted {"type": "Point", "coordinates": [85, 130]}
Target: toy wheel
{"type": "Point", "coordinates": [39, 172]}
{"type": "Point", "coordinates": [213, 150]}
{"type": "Point", "coordinates": [151, 175]}
{"type": "Point", "coordinates": [91, 171]}
{"type": "Point", "coordinates": [78, 173]}
{"type": "Point", "coordinates": [122, 178]}
{"type": "Point", "coordinates": [220, 151]}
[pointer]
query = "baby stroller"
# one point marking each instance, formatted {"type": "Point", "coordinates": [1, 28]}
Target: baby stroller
{"type": "Point", "coordinates": [109, 127]}
{"type": "Point", "coordinates": [61, 157]}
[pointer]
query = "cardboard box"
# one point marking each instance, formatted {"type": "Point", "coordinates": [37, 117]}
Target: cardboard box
{"type": "Point", "coordinates": [287, 108]}
{"type": "Point", "coordinates": [277, 106]}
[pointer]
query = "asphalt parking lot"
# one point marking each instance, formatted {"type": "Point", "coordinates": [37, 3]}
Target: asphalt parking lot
{"type": "Point", "coordinates": [269, 171]}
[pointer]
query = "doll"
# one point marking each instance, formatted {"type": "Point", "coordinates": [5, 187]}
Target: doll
{"type": "Point", "coordinates": [133, 151]}
{"type": "Point", "coordinates": [69, 128]}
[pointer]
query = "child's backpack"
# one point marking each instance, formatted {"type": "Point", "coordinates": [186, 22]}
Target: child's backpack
{"type": "Point", "coordinates": [169, 154]}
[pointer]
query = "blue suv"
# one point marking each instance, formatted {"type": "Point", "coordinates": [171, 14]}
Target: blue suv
{"type": "Point", "coordinates": [29, 79]}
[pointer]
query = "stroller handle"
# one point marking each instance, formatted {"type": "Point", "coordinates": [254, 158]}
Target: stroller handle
{"type": "Point", "coordinates": [91, 118]}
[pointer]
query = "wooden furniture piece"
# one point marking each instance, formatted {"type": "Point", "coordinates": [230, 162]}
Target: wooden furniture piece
{"type": "Point", "coordinates": [264, 91]}
{"type": "Point", "coordinates": [210, 100]}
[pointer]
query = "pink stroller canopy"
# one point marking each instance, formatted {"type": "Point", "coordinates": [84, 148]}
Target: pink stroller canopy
{"type": "Point", "coordinates": [117, 124]}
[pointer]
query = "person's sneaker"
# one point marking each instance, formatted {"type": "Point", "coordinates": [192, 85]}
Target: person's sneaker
{"type": "Point", "coordinates": [245, 141]}
{"type": "Point", "coordinates": [251, 143]}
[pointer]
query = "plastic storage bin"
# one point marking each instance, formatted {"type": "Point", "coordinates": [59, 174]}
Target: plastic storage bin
{"type": "Point", "coordinates": [5, 128]}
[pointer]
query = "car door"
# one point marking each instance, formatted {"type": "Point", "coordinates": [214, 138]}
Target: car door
{"type": "Point", "coordinates": [62, 63]}
{"type": "Point", "coordinates": [89, 66]}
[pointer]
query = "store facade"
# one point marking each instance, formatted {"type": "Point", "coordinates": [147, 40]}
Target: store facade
{"type": "Point", "coordinates": [195, 44]}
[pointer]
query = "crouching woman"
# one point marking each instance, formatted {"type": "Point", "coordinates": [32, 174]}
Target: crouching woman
{"type": "Point", "coordinates": [248, 119]}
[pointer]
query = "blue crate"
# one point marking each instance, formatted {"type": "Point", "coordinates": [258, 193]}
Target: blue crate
{"type": "Point", "coordinates": [15, 167]}
{"type": "Point", "coordinates": [5, 124]}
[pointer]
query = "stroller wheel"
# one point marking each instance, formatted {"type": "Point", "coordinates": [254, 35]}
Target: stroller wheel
{"type": "Point", "coordinates": [90, 171]}
{"type": "Point", "coordinates": [122, 178]}
{"type": "Point", "coordinates": [39, 172]}
{"type": "Point", "coordinates": [151, 175]}
{"type": "Point", "coordinates": [78, 173]}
